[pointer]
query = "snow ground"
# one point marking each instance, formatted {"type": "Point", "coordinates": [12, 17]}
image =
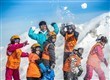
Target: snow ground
{"type": "Point", "coordinates": [88, 33]}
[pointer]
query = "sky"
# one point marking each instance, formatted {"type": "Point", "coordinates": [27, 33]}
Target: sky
{"type": "Point", "coordinates": [17, 17]}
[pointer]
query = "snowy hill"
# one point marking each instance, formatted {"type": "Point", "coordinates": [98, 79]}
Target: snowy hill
{"type": "Point", "coordinates": [88, 33]}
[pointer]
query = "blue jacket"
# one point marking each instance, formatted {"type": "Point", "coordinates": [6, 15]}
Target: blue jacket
{"type": "Point", "coordinates": [41, 37]}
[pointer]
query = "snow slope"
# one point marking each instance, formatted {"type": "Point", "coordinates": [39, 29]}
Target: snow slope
{"type": "Point", "coordinates": [88, 33]}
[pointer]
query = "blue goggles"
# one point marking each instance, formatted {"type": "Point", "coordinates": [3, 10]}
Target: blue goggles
{"type": "Point", "coordinates": [17, 40]}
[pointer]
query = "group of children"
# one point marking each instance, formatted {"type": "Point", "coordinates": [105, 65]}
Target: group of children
{"type": "Point", "coordinates": [72, 68]}
{"type": "Point", "coordinates": [42, 57]}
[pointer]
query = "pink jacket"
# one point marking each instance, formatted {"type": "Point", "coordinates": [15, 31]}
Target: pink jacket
{"type": "Point", "coordinates": [96, 55]}
{"type": "Point", "coordinates": [12, 47]}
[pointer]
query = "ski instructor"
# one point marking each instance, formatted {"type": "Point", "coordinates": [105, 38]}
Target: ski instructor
{"type": "Point", "coordinates": [41, 36]}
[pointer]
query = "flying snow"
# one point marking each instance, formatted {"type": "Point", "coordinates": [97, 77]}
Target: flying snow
{"type": "Point", "coordinates": [84, 5]}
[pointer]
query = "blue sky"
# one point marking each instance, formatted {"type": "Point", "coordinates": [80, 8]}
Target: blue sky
{"type": "Point", "coordinates": [18, 16]}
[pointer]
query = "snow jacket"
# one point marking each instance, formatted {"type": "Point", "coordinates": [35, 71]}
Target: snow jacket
{"type": "Point", "coordinates": [67, 64]}
{"type": "Point", "coordinates": [33, 68]}
{"type": "Point", "coordinates": [41, 37]}
{"type": "Point", "coordinates": [96, 55]}
{"type": "Point", "coordinates": [14, 54]}
{"type": "Point", "coordinates": [48, 54]}
{"type": "Point", "coordinates": [70, 40]}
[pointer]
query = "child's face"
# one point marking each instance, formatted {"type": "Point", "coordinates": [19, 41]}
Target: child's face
{"type": "Point", "coordinates": [53, 39]}
{"type": "Point", "coordinates": [103, 44]}
{"type": "Point", "coordinates": [80, 51]}
{"type": "Point", "coordinates": [17, 41]}
{"type": "Point", "coordinates": [69, 30]}
{"type": "Point", "coordinates": [43, 27]}
{"type": "Point", "coordinates": [38, 50]}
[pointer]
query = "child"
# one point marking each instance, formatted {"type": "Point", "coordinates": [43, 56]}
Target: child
{"type": "Point", "coordinates": [41, 36]}
{"type": "Point", "coordinates": [48, 55]}
{"type": "Point", "coordinates": [36, 66]}
{"type": "Point", "coordinates": [72, 66]}
{"type": "Point", "coordinates": [71, 37]}
{"type": "Point", "coordinates": [14, 54]}
{"type": "Point", "coordinates": [96, 56]}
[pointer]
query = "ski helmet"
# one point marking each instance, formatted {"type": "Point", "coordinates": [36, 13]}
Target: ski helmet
{"type": "Point", "coordinates": [34, 47]}
{"type": "Point", "coordinates": [75, 51]}
{"type": "Point", "coordinates": [80, 51]}
{"type": "Point", "coordinates": [15, 38]}
{"type": "Point", "coordinates": [102, 39]}
{"type": "Point", "coordinates": [70, 28]}
{"type": "Point", "coordinates": [73, 26]}
{"type": "Point", "coordinates": [52, 36]}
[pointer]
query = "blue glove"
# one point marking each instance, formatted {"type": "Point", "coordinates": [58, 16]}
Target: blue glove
{"type": "Point", "coordinates": [53, 23]}
{"type": "Point", "coordinates": [49, 75]}
{"type": "Point", "coordinates": [42, 68]}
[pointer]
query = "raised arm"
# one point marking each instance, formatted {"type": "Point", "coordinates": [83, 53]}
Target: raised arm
{"type": "Point", "coordinates": [76, 34]}
{"type": "Point", "coordinates": [56, 28]}
{"type": "Point", "coordinates": [32, 34]}
{"type": "Point", "coordinates": [13, 47]}
{"type": "Point", "coordinates": [62, 30]}
{"type": "Point", "coordinates": [24, 54]}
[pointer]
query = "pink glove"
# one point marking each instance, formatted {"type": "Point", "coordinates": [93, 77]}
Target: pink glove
{"type": "Point", "coordinates": [25, 43]}
{"type": "Point", "coordinates": [105, 62]}
{"type": "Point", "coordinates": [24, 54]}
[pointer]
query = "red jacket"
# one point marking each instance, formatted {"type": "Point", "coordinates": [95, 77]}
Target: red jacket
{"type": "Point", "coordinates": [14, 54]}
{"type": "Point", "coordinates": [96, 55]}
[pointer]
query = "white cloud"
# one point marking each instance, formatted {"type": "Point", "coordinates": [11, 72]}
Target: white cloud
{"type": "Point", "coordinates": [84, 5]}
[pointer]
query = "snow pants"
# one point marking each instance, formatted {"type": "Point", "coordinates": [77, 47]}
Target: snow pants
{"type": "Point", "coordinates": [70, 76]}
{"type": "Point", "coordinates": [66, 55]}
{"type": "Point", "coordinates": [89, 73]}
{"type": "Point", "coordinates": [12, 73]}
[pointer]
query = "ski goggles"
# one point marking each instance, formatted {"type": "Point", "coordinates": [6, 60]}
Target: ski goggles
{"type": "Point", "coordinates": [17, 40]}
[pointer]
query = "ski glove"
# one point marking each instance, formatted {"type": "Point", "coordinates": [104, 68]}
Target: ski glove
{"type": "Point", "coordinates": [53, 23]}
{"type": "Point", "coordinates": [105, 62]}
{"type": "Point", "coordinates": [63, 25]}
{"type": "Point", "coordinates": [25, 43]}
{"type": "Point", "coordinates": [76, 34]}
{"type": "Point", "coordinates": [33, 28]}
{"type": "Point", "coordinates": [53, 66]}
{"type": "Point", "coordinates": [41, 65]}
{"type": "Point", "coordinates": [80, 71]}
